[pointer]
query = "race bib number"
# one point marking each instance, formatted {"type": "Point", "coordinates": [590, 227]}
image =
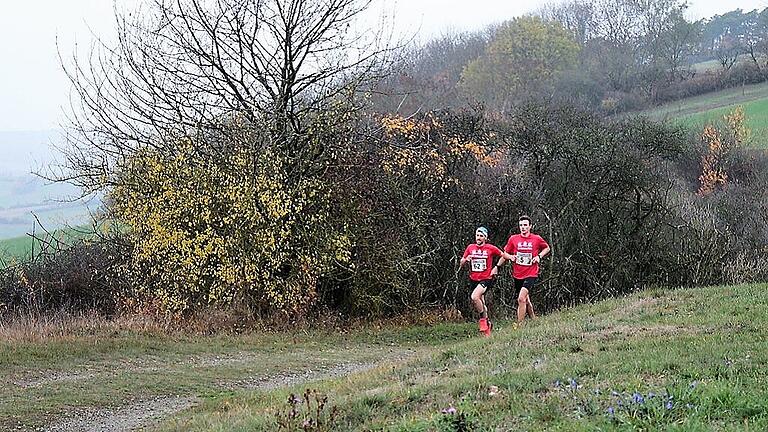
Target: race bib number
{"type": "Point", "coordinates": [479, 265]}
{"type": "Point", "coordinates": [524, 258]}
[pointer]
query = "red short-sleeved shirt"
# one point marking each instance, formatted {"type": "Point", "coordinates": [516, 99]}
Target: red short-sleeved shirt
{"type": "Point", "coordinates": [481, 260]}
{"type": "Point", "coordinates": [525, 248]}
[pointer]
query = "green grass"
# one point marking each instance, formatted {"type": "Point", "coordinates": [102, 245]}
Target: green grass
{"type": "Point", "coordinates": [709, 101]}
{"type": "Point", "coordinates": [697, 358]}
{"type": "Point", "coordinates": [704, 352]}
{"type": "Point", "coordinates": [756, 113]}
{"type": "Point", "coordinates": [17, 247]}
{"type": "Point", "coordinates": [49, 373]}
{"type": "Point", "coordinates": [697, 111]}
{"type": "Point", "coordinates": [709, 65]}
{"type": "Point", "coordinates": [22, 247]}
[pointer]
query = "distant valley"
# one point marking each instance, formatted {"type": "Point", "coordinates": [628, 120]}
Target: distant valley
{"type": "Point", "coordinates": [24, 195]}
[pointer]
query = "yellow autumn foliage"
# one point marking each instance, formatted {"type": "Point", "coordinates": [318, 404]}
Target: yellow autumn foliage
{"type": "Point", "coordinates": [428, 147]}
{"type": "Point", "coordinates": [713, 172]}
{"type": "Point", "coordinates": [213, 230]}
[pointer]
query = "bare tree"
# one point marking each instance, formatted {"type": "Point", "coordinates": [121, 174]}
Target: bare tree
{"type": "Point", "coordinates": [181, 67]}
{"type": "Point", "coordinates": [727, 51]}
{"type": "Point", "coordinates": [426, 76]}
{"type": "Point", "coordinates": [676, 45]}
{"type": "Point", "coordinates": [578, 16]}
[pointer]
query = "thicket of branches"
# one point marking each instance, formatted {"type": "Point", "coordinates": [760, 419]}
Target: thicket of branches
{"type": "Point", "coordinates": [247, 165]}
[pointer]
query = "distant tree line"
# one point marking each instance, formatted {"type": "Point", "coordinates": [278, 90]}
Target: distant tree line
{"type": "Point", "coordinates": [608, 55]}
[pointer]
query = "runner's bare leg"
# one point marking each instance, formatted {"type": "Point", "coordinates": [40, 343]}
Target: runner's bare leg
{"type": "Point", "coordinates": [529, 308]}
{"type": "Point", "coordinates": [522, 304]}
{"type": "Point", "coordinates": [478, 299]}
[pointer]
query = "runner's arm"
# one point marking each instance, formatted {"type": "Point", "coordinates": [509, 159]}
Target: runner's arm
{"type": "Point", "coordinates": [507, 254]}
{"type": "Point", "coordinates": [464, 257]}
{"type": "Point", "coordinates": [542, 253]}
{"type": "Point", "coordinates": [504, 258]}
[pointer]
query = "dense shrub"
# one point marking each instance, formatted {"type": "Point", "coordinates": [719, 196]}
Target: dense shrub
{"type": "Point", "coordinates": [238, 224]}
{"type": "Point", "coordinates": [412, 190]}
{"type": "Point", "coordinates": [618, 200]}
{"type": "Point", "coordinates": [78, 276]}
{"type": "Point", "coordinates": [597, 191]}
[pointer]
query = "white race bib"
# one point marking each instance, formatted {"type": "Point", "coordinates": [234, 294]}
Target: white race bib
{"type": "Point", "coordinates": [479, 264]}
{"type": "Point", "coordinates": [524, 258]}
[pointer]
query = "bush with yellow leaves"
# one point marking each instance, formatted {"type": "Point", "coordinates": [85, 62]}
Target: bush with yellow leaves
{"type": "Point", "coordinates": [719, 141]}
{"type": "Point", "coordinates": [213, 228]}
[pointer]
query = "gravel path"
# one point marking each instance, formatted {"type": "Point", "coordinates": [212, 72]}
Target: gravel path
{"type": "Point", "coordinates": [144, 413]}
{"type": "Point", "coordinates": [126, 418]}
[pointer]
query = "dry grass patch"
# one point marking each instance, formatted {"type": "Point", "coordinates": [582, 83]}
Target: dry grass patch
{"type": "Point", "coordinates": [63, 325]}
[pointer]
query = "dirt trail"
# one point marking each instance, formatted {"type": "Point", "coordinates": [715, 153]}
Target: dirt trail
{"type": "Point", "coordinates": [125, 418]}
{"type": "Point", "coordinates": [144, 413]}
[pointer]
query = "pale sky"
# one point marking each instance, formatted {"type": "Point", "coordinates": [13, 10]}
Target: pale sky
{"type": "Point", "coordinates": [33, 88]}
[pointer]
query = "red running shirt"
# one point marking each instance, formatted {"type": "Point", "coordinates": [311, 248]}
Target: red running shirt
{"type": "Point", "coordinates": [525, 248]}
{"type": "Point", "coordinates": [481, 260]}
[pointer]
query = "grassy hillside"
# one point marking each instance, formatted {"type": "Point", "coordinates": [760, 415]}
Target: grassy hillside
{"type": "Point", "coordinates": [699, 110]}
{"type": "Point", "coordinates": [22, 197]}
{"type": "Point", "coordinates": [706, 102]}
{"type": "Point", "coordinates": [17, 247]}
{"type": "Point", "coordinates": [693, 359]}
{"type": "Point", "coordinates": [756, 113]}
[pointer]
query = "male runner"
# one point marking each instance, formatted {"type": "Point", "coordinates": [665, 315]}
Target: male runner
{"type": "Point", "coordinates": [480, 257]}
{"type": "Point", "coordinates": [527, 250]}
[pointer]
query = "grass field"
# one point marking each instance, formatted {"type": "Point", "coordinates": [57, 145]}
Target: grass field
{"type": "Point", "coordinates": [756, 113]}
{"type": "Point", "coordinates": [697, 111]}
{"type": "Point", "coordinates": [693, 359]}
{"type": "Point", "coordinates": [17, 247]}
{"type": "Point", "coordinates": [709, 101]}
{"type": "Point", "coordinates": [22, 247]}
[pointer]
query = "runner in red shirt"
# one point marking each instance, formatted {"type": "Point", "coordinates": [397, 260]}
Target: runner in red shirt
{"type": "Point", "coordinates": [480, 257]}
{"type": "Point", "coordinates": [527, 250]}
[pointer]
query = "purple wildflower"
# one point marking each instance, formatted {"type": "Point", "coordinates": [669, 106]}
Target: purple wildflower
{"type": "Point", "coordinates": [450, 410]}
{"type": "Point", "coordinates": [557, 383]}
{"type": "Point", "coordinates": [572, 382]}
{"type": "Point", "coordinates": [651, 394]}
{"type": "Point", "coordinates": [638, 398]}
{"type": "Point", "coordinates": [611, 411]}
{"type": "Point", "coordinates": [669, 405]}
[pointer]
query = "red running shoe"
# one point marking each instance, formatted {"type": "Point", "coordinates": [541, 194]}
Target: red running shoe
{"type": "Point", "coordinates": [485, 326]}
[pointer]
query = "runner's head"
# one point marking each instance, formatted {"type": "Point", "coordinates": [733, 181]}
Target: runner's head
{"type": "Point", "coordinates": [525, 225]}
{"type": "Point", "coordinates": [481, 235]}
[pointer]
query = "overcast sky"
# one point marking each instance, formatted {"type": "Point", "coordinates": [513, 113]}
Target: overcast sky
{"type": "Point", "coordinates": [33, 89]}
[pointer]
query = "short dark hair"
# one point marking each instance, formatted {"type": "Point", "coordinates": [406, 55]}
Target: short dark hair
{"type": "Point", "coordinates": [524, 217]}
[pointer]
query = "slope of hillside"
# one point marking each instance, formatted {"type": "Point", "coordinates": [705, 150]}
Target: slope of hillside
{"type": "Point", "coordinates": [756, 114]}
{"type": "Point", "coordinates": [687, 359]}
{"type": "Point", "coordinates": [699, 110]}
{"type": "Point", "coordinates": [706, 102]}
{"type": "Point", "coordinates": [694, 359]}
{"type": "Point", "coordinates": [24, 195]}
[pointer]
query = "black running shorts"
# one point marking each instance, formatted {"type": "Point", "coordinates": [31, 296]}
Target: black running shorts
{"type": "Point", "coordinates": [488, 284]}
{"type": "Point", "coordinates": [526, 283]}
